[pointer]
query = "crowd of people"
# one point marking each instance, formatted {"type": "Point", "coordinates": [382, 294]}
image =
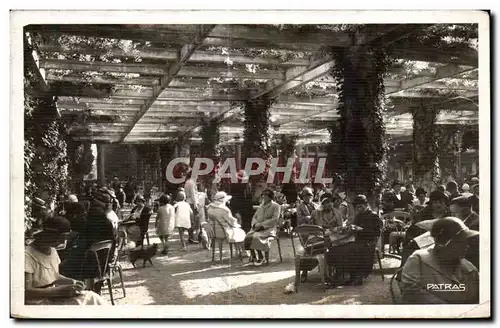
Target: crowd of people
{"type": "Point", "coordinates": [250, 222]}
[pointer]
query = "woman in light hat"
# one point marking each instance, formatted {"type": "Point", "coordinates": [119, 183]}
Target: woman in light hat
{"type": "Point", "coordinates": [429, 271]}
{"type": "Point", "coordinates": [44, 285]}
{"type": "Point", "coordinates": [225, 224]}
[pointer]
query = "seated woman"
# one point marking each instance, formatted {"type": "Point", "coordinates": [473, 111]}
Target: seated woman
{"type": "Point", "coordinates": [264, 225]}
{"type": "Point", "coordinates": [356, 258]}
{"type": "Point", "coordinates": [327, 217]}
{"type": "Point", "coordinates": [224, 223]}
{"type": "Point", "coordinates": [428, 271]}
{"type": "Point", "coordinates": [44, 285]}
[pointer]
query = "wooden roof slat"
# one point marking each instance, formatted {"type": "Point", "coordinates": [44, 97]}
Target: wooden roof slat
{"type": "Point", "coordinates": [441, 72]}
{"type": "Point", "coordinates": [77, 78]}
{"type": "Point", "coordinates": [151, 69]}
{"type": "Point", "coordinates": [172, 54]}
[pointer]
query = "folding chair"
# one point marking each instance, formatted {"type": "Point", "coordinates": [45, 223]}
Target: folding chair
{"type": "Point", "coordinates": [309, 260]}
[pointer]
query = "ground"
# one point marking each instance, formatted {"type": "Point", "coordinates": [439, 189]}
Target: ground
{"type": "Point", "coordinates": [191, 278]}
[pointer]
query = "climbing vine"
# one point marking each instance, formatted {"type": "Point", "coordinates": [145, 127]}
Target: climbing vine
{"type": "Point", "coordinates": [257, 131]}
{"type": "Point", "coordinates": [357, 145]}
{"type": "Point", "coordinates": [425, 145]}
{"type": "Point", "coordinates": [210, 135]}
{"type": "Point", "coordinates": [45, 157]}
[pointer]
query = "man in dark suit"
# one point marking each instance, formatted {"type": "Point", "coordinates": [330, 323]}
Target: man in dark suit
{"type": "Point", "coordinates": [356, 258]}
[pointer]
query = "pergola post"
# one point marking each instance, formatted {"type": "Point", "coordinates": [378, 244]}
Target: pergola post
{"type": "Point", "coordinates": [425, 146]}
{"type": "Point", "coordinates": [101, 165]}
{"type": "Point", "coordinates": [238, 156]}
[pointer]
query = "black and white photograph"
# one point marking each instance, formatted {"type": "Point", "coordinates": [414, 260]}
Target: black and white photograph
{"type": "Point", "coordinates": [304, 165]}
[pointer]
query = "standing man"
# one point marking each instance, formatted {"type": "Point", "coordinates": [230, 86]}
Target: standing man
{"type": "Point", "coordinates": [192, 199]}
{"type": "Point", "coordinates": [115, 185]}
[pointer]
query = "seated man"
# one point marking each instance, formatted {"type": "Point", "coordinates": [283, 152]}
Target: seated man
{"type": "Point", "coordinates": [428, 272]}
{"type": "Point", "coordinates": [356, 258]}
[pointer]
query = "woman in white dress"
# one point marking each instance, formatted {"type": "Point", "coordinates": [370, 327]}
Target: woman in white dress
{"type": "Point", "coordinates": [223, 221]}
{"type": "Point", "coordinates": [183, 216]}
{"type": "Point", "coordinates": [165, 221]}
{"type": "Point", "coordinates": [44, 285]}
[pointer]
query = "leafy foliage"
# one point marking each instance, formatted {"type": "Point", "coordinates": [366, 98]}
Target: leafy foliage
{"type": "Point", "coordinates": [210, 135]}
{"type": "Point", "coordinates": [45, 160]}
{"type": "Point", "coordinates": [425, 144]}
{"type": "Point", "coordinates": [357, 149]}
{"type": "Point", "coordinates": [257, 131]}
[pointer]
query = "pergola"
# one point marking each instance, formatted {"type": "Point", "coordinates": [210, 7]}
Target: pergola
{"type": "Point", "coordinates": [176, 75]}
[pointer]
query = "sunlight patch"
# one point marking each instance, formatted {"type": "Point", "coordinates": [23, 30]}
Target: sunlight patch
{"type": "Point", "coordinates": [206, 286]}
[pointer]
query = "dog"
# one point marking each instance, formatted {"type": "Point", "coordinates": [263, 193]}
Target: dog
{"type": "Point", "coordinates": [144, 253]}
{"type": "Point", "coordinates": [206, 235]}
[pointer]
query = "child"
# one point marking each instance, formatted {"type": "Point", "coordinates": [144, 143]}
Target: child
{"type": "Point", "coordinates": [183, 216]}
{"type": "Point", "coordinates": [165, 221]}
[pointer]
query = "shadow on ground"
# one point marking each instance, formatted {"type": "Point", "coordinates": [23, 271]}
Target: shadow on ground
{"type": "Point", "coordinates": [191, 278]}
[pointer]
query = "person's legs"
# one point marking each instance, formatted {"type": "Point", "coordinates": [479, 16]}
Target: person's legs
{"type": "Point", "coordinates": [193, 231]}
{"type": "Point", "coordinates": [165, 244]}
{"type": "Point", "coordinates": [253, 257]}
{"type": "Point", "coordinates": [260, 255]}
{"type": "Point", "coordinates": [181, 236]}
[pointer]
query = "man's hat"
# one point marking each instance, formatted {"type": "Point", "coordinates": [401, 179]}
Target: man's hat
{"type": "Point", "coordinates": [462, 201]}
{"type": "Point", "coordinates": [437, 195]}
{"type": "Point", "coordinates": [326, 196]}
{"type": "Point", "coordinates": [56, 225]}
{"type": "Point", "coordinates": [420, 191]}
{"type": "Point", "coordinates": [102, 196]}
{"type": "Point", "coordinates": [307, 191]}
{"type": "Point", "coordinates": [451, 227]}
{"type": "Point", "coordinates": [360, 199]}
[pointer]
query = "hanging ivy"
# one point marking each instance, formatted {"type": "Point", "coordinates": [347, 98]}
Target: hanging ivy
{"type": "Point", "coordinates": [210, 146]}
{"type": "Point", "coordinates": [425, 145]}
{"type": "Point", "coordinates": [45, 157]}
{"type": "Point", "coordinates": [357, 140]}
{"type": "Point", "coordinates": [257, 131]}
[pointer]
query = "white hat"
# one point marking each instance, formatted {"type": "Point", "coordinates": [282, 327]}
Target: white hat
{"type": "Point", "coordinates": [222, 197]}
{"type": "Point", "coordinates": [465, 187]}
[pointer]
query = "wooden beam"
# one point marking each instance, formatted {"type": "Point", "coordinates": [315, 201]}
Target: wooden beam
{"type": "Point", "coordinates": [138, 102]}
{"type": "Point", "coordinates": [296, 77]}
{"type": "Point", "coordinates": [172, 54]}
{"type": "Point", "coordinates": [441, 73]}
{"type": "Point", "coordinates": [464, 56]}
{"type": "Point", "coordinates": [151, 69]}
{"type": "Point", "coordinates": [76, 78]}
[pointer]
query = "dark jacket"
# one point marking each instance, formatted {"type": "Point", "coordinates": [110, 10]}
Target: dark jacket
{"type": "Point", "coordinates": [98, 228]}
{"type": "Point", "coordinates": [145, 215]}
{"type": "Point", "coordinates": [76, 215]}
{"type": "Point", "coordinates": [371, 224]}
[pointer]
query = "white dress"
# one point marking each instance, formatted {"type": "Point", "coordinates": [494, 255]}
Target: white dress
{"type": "Point", "coordinates": [183, 213]}
{"type": "Point", "coordinates": [45, 271]}
{"type": "Point", "coordinates": [165, 219]}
